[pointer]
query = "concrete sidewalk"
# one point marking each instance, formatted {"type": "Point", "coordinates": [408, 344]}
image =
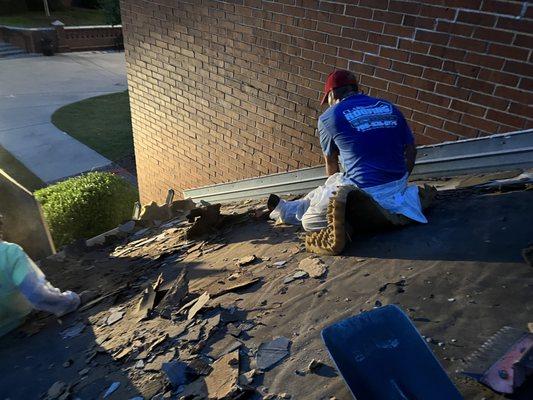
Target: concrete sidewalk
{"type": "Point", "coordinates": [31, 89]}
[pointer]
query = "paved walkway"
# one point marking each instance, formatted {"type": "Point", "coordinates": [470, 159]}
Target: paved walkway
{"type": "Point", "coordinates": [32, 88]}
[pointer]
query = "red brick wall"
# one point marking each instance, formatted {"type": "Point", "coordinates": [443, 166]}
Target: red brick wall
{"type": "Point", "coordinates": [228, 90]}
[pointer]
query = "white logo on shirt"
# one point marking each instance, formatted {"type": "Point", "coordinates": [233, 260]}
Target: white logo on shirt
{"type": "Point", "coordinates": [375, 116]}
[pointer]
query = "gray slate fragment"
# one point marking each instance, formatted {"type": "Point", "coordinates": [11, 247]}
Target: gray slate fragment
{"type": "Point", "coordinates": [114, 386]}
{"type": "Point", "coordinates": [56, 390]}
{"type": "Point", "coordinates": [288, 279]}
{"type": "Point", "coordinates": [200, 303]}
{"type": "Point", "coordinates": [114, 317]}
{"type": "Point", "coordinates": [200, 367]}
{"type": "Point", "coordinates": [270, 353]}
{"type": "Point", "coordinates": [73, 330]}
{"type": "Point", "coordinates": [300, 275]}
{"type": "Point", "coordinates": [127, 227]}
{"type": "Point", "coordinates": [313, 266]}
{"type": "Point", "coordinates": [176, 372]}
{"type": "Point", "coordinates": [246, 260]}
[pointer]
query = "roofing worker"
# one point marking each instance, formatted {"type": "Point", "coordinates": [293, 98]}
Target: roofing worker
{"type": "Point", "coordinates": [375, 146]}
{"type": "Point", "coordinates": [24, 287]}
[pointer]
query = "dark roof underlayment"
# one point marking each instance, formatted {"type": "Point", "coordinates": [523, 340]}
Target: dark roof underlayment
{"type": "Point", "coordinates": [460, 278]}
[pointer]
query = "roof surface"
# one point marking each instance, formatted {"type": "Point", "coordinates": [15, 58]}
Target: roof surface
{"type": "Point", "coordinates": [461, 276]}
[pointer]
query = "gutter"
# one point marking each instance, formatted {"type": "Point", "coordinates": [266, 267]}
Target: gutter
{"type": "Point", "coordinates": [500, 152]}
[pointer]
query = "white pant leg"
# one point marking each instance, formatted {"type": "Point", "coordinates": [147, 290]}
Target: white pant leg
{"type": "Point", "coordinates": [287, 212]}
{"type": "Point", "coordinates": [311, 211]}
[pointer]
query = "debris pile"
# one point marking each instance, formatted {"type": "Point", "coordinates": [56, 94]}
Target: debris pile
{"type": "Point", "coordinates": [226, 312]}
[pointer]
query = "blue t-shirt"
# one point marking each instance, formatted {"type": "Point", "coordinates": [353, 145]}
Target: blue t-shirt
{"type": "Point", "coordinates": [370, 135]}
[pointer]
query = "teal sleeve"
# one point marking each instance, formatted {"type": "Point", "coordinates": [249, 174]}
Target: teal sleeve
{"type": "Point", "coordinates": [17, 262]}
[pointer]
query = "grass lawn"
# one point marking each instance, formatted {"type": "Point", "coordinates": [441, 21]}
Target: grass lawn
{"type": "Point", "coordinates": [18, 171]}
{"type": "Point", "coordinates": [72, 16]}
{"type": "Point", "coordinates": [103, 123]}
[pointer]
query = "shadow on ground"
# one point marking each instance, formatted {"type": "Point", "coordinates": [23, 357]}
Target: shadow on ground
{"type": "Point", "coordinates": [491, 227]}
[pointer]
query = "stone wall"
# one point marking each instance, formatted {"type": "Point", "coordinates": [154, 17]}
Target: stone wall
{"type": "Point", "coordinates": [65, 39]}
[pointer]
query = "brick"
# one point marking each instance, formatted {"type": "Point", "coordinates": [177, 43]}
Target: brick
{"type": "Point", "coordinates": [331, 7]}
{"type": "Point", "coordinates": [377, 61]}
{"type": "Point", "coordinates": [358, 34]}
{"type": "Point", "coordinates": [387, 17]}
{"type": "Point", "coordinates": [514, 24]}
{"type": "Point", "coordinates": [389, 75]}
{"type": "Point", "coordinates": [514, 94]}
{"type": "Point", "coordinates": [427, 61]}
{"type": "Point", "coordinates": [427, 10]}
{"type": "Point", "coordinates": [366, 24]}
{"type": "Point", "coordinates": [505, 118]}
{"type": "Point", "coordinates": [498, 77]}
{"type": "Point", "coordinates": [342, 20]}
{"type": "Point", "coordinates": [476, 18]}
{"type": "Point", "coordinates": [522, 41]}
{"type": "Point", "coordinates": [521, 109]}
{"type": "Point", "coordinates": [404, 7]}
{"type": "Point", "coordinates": [469, 4]}
{"type": "Point", "coordinates": [365, 46]}
{"type": "Point", "coordinates": [403, 90]}
{"type": "Point", "coordinates": [419, 22]}
{"type": "Point", "coordinates": [428, 119]}
{"type": "Point", "coordinates": [440, 135]}
{"type": "Point", "coordinates": [479, 46]}
{"type": "Point", "coordinates": [394, 54]}
{"type": "Point", "coordinates": [399, 30]}
{"type": "Point", "coordinates": [452, 91]}
{"type": "Point", "coordinates": [432, 37]}
{"type": "Point", "coordinates": [447, 53]}
{"type": "Point", "coordinates": [329, 28]}
{"type": "Point", "coordinates": [357, 11]}
{"type": "Point", "coordinates": [379, 4]}
{"type": "Point", "coordinates": [406, 68]}
{"type": "Point", "coordinates": [468, 108]}
{"type": "Point", "coordinates": [339, 41]}
{"type": "Point", "coordinates": [419, 83]}
{"type": "Point", "coordinates": [501, 50]}
{"type": "Point", "coordinates": [439, 76]}
{"type": "Point", "coordinates": [475, 84]}
{"type": "Point", "coordinates": [484, 60]}
{"type": "Point", "coordinates": [493, 35]}
{"type": "Point", "coordinates": [489, 101]}
{"type": "Point", "coordinates": [526, 84]}
{"type": "Point", "coordinates": [460, 129]}
{"type": "Point", "coordinates": [502, 7]}
{"type": "Point", "coordinates": [471, 71]}
{"type": "Point", "coordinates": [518, 68]}
{"type": "Point", "coordinates": [377, 83]}
{"type": "Point", "coordinates": [455, 28]}
{"type": "Point", "coordinates": [435, 99]}
{"type": "Point", "coordinates": [413, 46]}
{"type": "Point", "coordinates": [481, 124]}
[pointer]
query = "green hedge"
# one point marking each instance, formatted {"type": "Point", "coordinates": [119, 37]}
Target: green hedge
{"type": "Point", "coordinates": [85, 206]}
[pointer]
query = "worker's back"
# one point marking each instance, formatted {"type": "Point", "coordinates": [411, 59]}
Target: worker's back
{"type": "Point", "coordinates": [370, 135]}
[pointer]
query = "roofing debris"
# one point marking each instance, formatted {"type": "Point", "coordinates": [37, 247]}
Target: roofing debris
{"type": "Point", "coordinates": [270, 353]}
{"type": "Point", "coordinates": [214, 317]}
{"type": "Point", "coordinates": [313, 266]}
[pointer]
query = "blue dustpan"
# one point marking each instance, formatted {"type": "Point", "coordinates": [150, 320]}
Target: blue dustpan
{"type": "Point", "coordinates": [381, 356]}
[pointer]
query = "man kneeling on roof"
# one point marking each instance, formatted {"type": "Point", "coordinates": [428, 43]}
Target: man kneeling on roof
{"type": "Point", "coordinates": [377, 151]}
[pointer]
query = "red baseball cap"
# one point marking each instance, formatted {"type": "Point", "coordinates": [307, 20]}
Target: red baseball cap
{"type": "Point", "coordinates": [336, 80]}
